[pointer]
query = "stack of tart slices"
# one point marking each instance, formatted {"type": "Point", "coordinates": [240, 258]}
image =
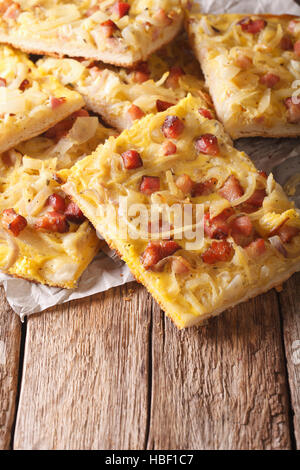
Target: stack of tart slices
{"type": "Point", "coordinates": [105, 118]}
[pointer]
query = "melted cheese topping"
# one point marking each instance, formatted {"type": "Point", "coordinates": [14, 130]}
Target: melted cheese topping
{"type": "Point", "coordinates": [100, 179]}
{"type": "Point", "coordinates": [111, 91]}
{"type": "Point", "coordinates": [78, 24]}
{"type": "Point", "coordinates": [244, 104]}
{"type": "Point", "coordinates": [25, 94]}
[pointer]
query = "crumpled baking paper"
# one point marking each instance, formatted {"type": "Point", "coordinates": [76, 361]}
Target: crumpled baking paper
{"type": "Point", "coordinates": [106, 270]}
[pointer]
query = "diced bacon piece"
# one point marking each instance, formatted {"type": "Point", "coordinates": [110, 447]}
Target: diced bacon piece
{"type": "Point", "coordinates": [121, 9]}
{"type": "Point", "coordinates": [163, 105]}
{"type": "Point", "coordinates": [108, 28]}
{"type": "Point", "coordinates": [269, 79]}
{"type": "Point", "coordinates": [242, 225]}
{"type": "Point", "coordinates": [131, 159]}
{"type": "Point", "coordinates": [293, 111]}
{"type": "Point", "coordinates": [13, 222]}
{"type": "Point", "coordinates": [2, 82]}
{"type": "Point", "coordinates": [173, 78]}
{"type": "Point", "coordinates": [53, 222]}
{"type": "Point", "coordinates": [208, 144]}
{"type": "Point", "coordinates": [12, 11]}
{"type": "Point", "coordinates": [204, 188]}
{"type": "Point", "coordinates": [252, 26]}
{"type": "Point", "coordinates": [4, 5]}
{"type": "Point", "coordinates": [242, 230]}
{"type": "Point", "coordinates": [205, 113]}
{"type": "Point", "coordinates": [150, 184]}
{"type": "Point", "coordinates": [140, 77]}
{"type": "Point", "coordinates": [216, 228]}
{"type": "Point", "coordinates": [135, 112]}
{"type": "Point", "coordinates": [286, 43]}
{"type": "Point", "coordinates": [218, 251]}
{"type": "Point", "coordinates": [287, 233]}
{"type": "Point", "coordinates": [162, 18]}
{"type": "Point", "coordinates": [231, 189]}
{"type": "Point", "coordinates": [172, 127]}
{"type": "Point", "coordinates": [243, 61]}
{"type": "Point", "coordinates": [263, 174]}
{"type": "Point", "coordinates": [256, 248]}
{"type": "Point", "coordinates": [257, 198]}
{"type": "Point", "coordinates": [180, 265]}
{"type": "Point", "coordinates": [158, 250]}
{"type": "Point", "coordinates": [184, 183]}
{"type": "Point", "coordinates": [74, 213]}
{"type": "Point", "coordinates": [62, 128]}
{"type": "Point", "coordinates": [142, 73]}
{"type": "Point", "coordinates": [57, 202]}
{"type": "Point", "coordinates": [25, 84]}
{"type": "Point", "coordinates": [56, 102]}
{"type": "Point", "coordinates": [297, 48]}
{"type": "Point", "coordinates": [92, 10]}
{"type": "Point", "coordinates": [168, 148]}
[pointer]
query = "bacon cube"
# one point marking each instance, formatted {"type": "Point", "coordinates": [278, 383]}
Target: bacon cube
{"type": "Point", "coordinates": [163, 105]}
{"type": "Point", "coordinates": [121, 9]}
{"type": "Point", "coordinates": [131, 159]}
{"type": "Point", "coordinates": [74, 214]}
{"type": "Point", "coordinates": [269, 79]}
{"type": "Point", "coordinates": [205, 113]}
{"type": "Point", "coordinates": [231, 189]}
{"type": "Point", "coordinates": [218, 252]}
{"type": "Point", "coordinates": [57, 202]}
{"type": "Point", "coordinates": [13, 222]}
{"type": "Point", "coordinates": [135, 112]}
{"type": "Point", "coordinates": [53, 222]}
{"type": "Point", "coordinates": [172, 127]}
{"type": "Point", "coordinates": [56, 102]}
{"type": "Point", "coordinates": [208, 144]}
{"type": "Point", "coordinates": [168, 148]}
{"type": "Point", "coordinates": [150, 184]}
{"type": "Point", "coordinates": [158, 250]}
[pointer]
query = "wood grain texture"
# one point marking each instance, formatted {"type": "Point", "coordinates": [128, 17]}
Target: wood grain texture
{"type": "Point", "coordinates": [290, 311]}
{"type": "Point", "coordinates": [221, 386]}
{"type": "Point", "coordinates": [85, 378]}
{"type": "Point", "coordinates": [10, 339]}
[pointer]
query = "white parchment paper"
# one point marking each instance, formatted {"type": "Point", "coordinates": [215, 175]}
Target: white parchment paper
{"type": "Point", "coordinates": [106, 271]}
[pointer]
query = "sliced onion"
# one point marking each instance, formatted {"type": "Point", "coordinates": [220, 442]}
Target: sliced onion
{"type": "Point", "coordinates": [277, 243]}
{"type": "Point", "coordinates": [83, 129]}
{"type": "Point", "coordinates": [12, 245]}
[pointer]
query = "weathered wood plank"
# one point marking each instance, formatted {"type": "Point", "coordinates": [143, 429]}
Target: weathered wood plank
{"type": "Point", "coordinates": [85, 377]}
{"type": "Point", "coordinates": [221, 386]}
{"type": "Point", "coordinates": [290, 311]}
{"type": "Point", "coordinates": [10, 339]}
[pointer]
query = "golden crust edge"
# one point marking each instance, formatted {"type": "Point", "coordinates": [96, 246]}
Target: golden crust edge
{"type": "Point", "coordinates": [38, 126]}
{"type": "Point", "coordinates": [169, 34]}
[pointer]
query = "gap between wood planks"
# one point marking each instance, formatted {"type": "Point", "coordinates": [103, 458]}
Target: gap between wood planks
{"type": "Point", "coordinates": [287, 379]}
{"type": "Point", "coordinates": [20, 372]}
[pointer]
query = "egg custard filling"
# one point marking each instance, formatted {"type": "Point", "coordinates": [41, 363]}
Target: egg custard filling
{"type": "Point", "coordinates": [252, 68]}
{"type": "Point", "coordinates": [30, 100]}
{"type": "Point", "coordinates": [121, 96]}
{"type": "Point", "coordinates": [44, 236]}
{"type": "Point", "coordinates": [241, 236]}
{"type": "Point", "coordinates": [120, 33]}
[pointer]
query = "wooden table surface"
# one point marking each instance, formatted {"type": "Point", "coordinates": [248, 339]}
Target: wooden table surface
{"type": "Point", "coordinates": [111, 372]}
